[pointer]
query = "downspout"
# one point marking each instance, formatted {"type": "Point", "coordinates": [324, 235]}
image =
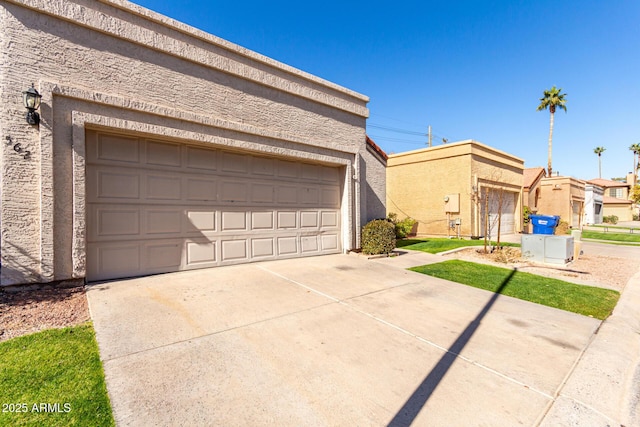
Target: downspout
{"type": "Point", "coordinates": [356, 183]}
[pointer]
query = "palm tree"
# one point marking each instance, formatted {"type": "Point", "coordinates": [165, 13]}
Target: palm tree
{"type": "Point", "coordinates": [599, 151]}
{"type": "Point", "coordinates": [552, 99]}
{"type": "Point", "coordinates": [636, 151]}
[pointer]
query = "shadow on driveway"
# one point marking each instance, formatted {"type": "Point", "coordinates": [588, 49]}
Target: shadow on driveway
{"type": "Point", "coordinates": [410, 410]}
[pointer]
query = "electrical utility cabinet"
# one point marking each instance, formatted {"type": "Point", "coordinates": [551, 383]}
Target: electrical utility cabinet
{"type": "Point", "coordinates": [547, 248]}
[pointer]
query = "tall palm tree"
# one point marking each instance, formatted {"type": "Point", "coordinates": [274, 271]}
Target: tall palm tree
{"type": "Point", "coordinates": [636, 151]}
{"type": "Point", "coordinates": [599, 151]}
{"type": "Point", "coordinates": [551, 100]}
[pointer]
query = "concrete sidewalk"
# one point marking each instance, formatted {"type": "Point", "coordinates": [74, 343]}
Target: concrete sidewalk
{"type": "Point", "coordinates": [331, 340]}
{"type": "Point", "coordinates": [604, 387]}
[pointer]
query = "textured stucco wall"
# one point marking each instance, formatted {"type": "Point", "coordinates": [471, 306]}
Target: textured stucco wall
{"type": "Point", "coordinates": [418, 181]}
{"type": "Point", "coordinates": [374, 186]}
{"type": "Point", "coordinates": [112, 64]}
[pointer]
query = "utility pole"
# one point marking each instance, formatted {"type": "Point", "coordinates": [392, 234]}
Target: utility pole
{"type": "Point", "coordinates": [429, 135]}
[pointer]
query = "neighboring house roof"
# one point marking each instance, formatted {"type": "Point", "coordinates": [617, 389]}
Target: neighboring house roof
{"type": "Point", "coordinates": [615, 200]}
{"type": "Point", "coordinates": [531, 175]}
{"type": "Point", "coordinates": [607, 183]}
{"type": "Point", "coordinates": [376, 148]}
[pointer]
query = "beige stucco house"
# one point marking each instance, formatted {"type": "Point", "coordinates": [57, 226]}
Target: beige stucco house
{"type": "Point", "coordinates": [445, 189]}
{"type": "Point", "coordinates": [163, 148]}
{"type": "Point", "coordinates": [616, 197]}
{"type": "Point", "coordinates": [563, 196]}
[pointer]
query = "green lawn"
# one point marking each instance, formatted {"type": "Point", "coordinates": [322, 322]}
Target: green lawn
{"type": "Point", "coordinates": [436, 245]}
{"type": "Point", "coordinates": [586, 300]}
{"type": "Point", "coordinates": [616, 237]}
{"type": "Point", "coordinates": [53, 378]}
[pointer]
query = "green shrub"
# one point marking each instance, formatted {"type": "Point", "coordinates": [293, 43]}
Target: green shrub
{"type": "Point", "coordinates": [562, 227]}
{"type": "Point", "coordinates": [610, 219]}
{"type": "Point", "coordinates": [526, 212]}
{"type": "Point", "coordinates": [403, 228]}
{"type": "Point", "coordinates": [378, 237]}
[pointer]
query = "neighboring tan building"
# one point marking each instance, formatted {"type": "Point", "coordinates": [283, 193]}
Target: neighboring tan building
{"type": "Point", "coordinates": [593, 204]}
{"type": "Point", "coordinates": [163, 148]}
{"type": "Point", "coordinates": [616, 197]}
{"type": "Point", "coordinates": [444, 188]}
{"type": "Point", "coordinates": [563, 196]}
{"type": "Point", "coordinates": [531, 187]}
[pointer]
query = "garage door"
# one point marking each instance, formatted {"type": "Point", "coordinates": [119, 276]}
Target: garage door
{"type": "Point", "coordinates": [157, 206]}
{"type": "Point", "coordinates": [501, 203]}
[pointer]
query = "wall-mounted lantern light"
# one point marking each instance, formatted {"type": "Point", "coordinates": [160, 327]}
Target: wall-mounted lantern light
{"type": "Point", "coordinates": [31, 99]}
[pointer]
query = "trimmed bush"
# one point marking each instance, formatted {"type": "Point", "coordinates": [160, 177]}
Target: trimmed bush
{"type": "Point", "coordinates": [610, 219]}
{"type": "Point", "coordinates": [378, 237]}
{"type": "Point", "coordinates": [404, 227]}
{"type": "Point", "coordinates": [562, 228]}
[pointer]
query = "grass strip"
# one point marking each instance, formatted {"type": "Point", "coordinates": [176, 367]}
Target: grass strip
{"type": "Point", "coordinates": [436, 245]}
{"type": "Point", "coordinates": [616, 237]}
{"type": "Point", "coordinates": [586, 300]}
{"type": "Point", "coordinates": [53, 378]}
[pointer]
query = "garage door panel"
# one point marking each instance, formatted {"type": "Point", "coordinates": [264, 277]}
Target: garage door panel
{"type": "Point", "coordinates": [201, 189]}
{"type": "Point", "coordinates": [163, 221]}
{"type": "Point", "coordinates": [263, 166]}
{"type": "Point", "coordinates": [310, 196]}
{"type": "Point", "coordinates": [109, 260]}
{"type": "Point", "coordinates": [287, 220]}
{"type": "Point", "coordinates": [162, 255]}
{"type": "Point", "coordinates": [201, 221]}
{"type": "Point", "coordinates": [116, 148]}
{"type": "Point", "coordinates": [163, 187]}
{"type": "Point", "coordinates": [287, 169]}
{"type": "Point", "coordinates": [309, 244]}
{"type": "Point", "coordinates": [113, 222]}
{"type": "Point", "coordinates": [113, 184]}
{"type": "Point", "coordinates": [201, 159]}
{"type": "Point", "coordinates": [234, 250]}
{"type": "Point", "coordinates": [235, 192]}
{"type": "Point", "coordinates": [262, 221]}
{"type": "Point", "coordinates": [262, 247]}
{"type": "Point", "coordinates": [329, 242]}
{"type": "Point", "coordinates": [330, 197]}
{"type": "Point", "coordinates": [309, 220]}
{"type": "Point", "coordinates": [157, 206]}
{"type": "Point", "coordinates": [287, 245]}
{"type": "Point", "coordinates": [328, 219]}
{"type": "Point", "coordinates": [263, 193]}
{"type": "Point", "coordinates": [234, 221]}
{"type": "Point", "coordinates": [163, 154]}
{"type": "Point", "coordinates": [232, 162]}
{"type": "Point", "coordinates": [200, 252]}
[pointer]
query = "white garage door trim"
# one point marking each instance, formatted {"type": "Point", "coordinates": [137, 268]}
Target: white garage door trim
{"type": "Point", "coordinates": [156, 206]}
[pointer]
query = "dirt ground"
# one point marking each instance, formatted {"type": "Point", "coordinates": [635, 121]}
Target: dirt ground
{"type": "Point", "coordinates": [25, 312]}
{"type": "Point", "coordinates": [601, 271]}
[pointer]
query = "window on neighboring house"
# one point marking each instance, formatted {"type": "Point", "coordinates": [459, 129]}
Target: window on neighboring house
{"type": "Point", "coordinates": [598, 208]}
{"type": "Point", "coordinates": [616, 192]}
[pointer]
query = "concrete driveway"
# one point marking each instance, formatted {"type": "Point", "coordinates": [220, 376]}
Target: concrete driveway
{"type": "Point", "coordinates": [331, 340]}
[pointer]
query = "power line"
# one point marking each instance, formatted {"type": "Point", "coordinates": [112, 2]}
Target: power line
{"type": "Point", "coordinates": [397, 130]}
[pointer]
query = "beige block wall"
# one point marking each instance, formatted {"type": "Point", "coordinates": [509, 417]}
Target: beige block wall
{"type": "Point", "coordinates": [111, 64]}
{"type": "Point", "coordinates": [418, 181]}
{"type": "Point", "coordinates": [624, 212]}
{"type": "Point", "coordinates": [558, 195]}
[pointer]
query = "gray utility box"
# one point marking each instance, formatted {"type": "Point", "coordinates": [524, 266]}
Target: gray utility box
{"type": "Point", "coordinates": [547, 248]}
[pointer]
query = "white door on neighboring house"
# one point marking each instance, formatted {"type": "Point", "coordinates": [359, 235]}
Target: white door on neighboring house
{"type": "Point", "coordinates": [575, 219]}
{"type": "Point", "coordinates": [502, 207]}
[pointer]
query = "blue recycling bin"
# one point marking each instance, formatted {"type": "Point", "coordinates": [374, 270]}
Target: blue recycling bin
{"type": "Point", "coordinates": [544, 224]}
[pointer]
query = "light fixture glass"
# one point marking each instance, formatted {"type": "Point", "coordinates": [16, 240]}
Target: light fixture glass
{"type": "Point", "coordinates": [31, 99]}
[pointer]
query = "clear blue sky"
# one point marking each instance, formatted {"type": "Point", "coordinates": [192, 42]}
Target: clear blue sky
{"type": "Point", "coordinates": [470, 69]}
